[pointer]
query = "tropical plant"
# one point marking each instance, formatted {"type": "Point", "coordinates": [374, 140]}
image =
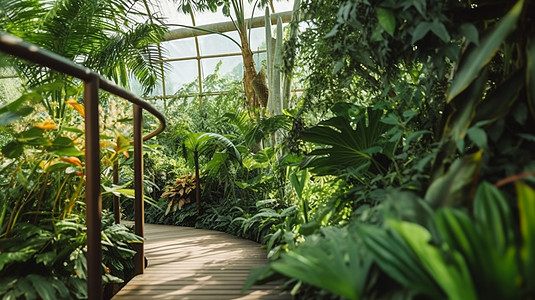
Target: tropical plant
{"type": "Point", "coordinates": [203, 143]}
{"type": "Point", "coordinates": [93, 39]}
{"type": "Point", "coordinates": [486, 255]}
{"type": "Point", "coordinates": [47, 260]}
{"type": "Point", "coordinates": [180, 193]}
{"type": "Point", "coordinates": [364, 149]}
{"type": "Point", "coordinates": [488, 90]}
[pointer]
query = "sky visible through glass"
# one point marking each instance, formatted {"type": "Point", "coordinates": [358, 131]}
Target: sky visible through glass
{"type": "Point", "coordinates": [182, 72]}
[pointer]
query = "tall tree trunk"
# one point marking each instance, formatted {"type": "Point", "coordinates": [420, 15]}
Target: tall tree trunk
{"type": "Point", "coordinates": [255, 86]}
{"type": "Point", "coordinates": [249, 71]}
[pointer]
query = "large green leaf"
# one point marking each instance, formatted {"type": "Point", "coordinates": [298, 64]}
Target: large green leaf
{"type": "Point", "coordinates": [345, 147]}
{"type": "Point", "coordinates": [17, 106]}
{"type": "Point", "coordinates": [395, 258]}
{"type": "Point", "coordinates": [450, 273]}
{"type": "Point", "coordinates": [478, 57]}
{"type": "Point", "coordinates": [13, 149]}
{"type": "Point", "coordinates": [387, 19]}
{"type": "Point", "coordinates": [333, 262]}
{"type": "Point", "coordinates": [42, 286]}
{"type": "Point", "coordinates": [18, 256]}
{"type": "Point", "coordinates": [64, 146]}
{"type": "Point", "coordinates": [454, 187]}
{"type": "Point", "coordinates": [526, 208]}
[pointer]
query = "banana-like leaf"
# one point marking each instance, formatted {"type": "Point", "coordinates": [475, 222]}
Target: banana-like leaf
{"type": "Point", "coordinates": [347, 147]}
{"type": "Point", "coordinates": [479, 56]}
{"type": "Point", "coordinates": [526, 207]}
{"type": "Point", "coordinates": [395, 258]}
{"type": "Point", "coordinates": [334, 262]}
{"type": "Point", "coordinates": [497, 104]}
{"type": "Point", "coordinates": [454, 187]}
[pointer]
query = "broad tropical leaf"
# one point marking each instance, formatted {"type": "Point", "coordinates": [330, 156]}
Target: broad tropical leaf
{"type": "Point", "coordinates": [334, 262]}
{"type": "Point", "coordinates": [454, 187]}
{"type": "Point", "coordinates": [347, 147]}
{"type": "Point", "coordinates": [450, 273]}
{"type": "Point", "coordinates": [526, 208]}
{"type": "Point", "coordinates": [391, 252]}
{"type": "Point", "coordinates": [478, 57]}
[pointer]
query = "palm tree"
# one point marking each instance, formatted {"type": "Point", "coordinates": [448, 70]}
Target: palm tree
{"type": "Point", "coordinates": [100, 34]}
{"type": "Point", "coordinates": [203, 143]}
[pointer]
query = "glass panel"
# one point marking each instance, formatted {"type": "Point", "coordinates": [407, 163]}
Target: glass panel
{"type": "Point", "coordinates": [217, 44]}
{"type": "Point", "coordinates": [229, 67]}
{"type": "Point", "coordinates": [180, 48]}
{"type": "Point", "coordinates": [258, 38]}
{"type": "Point", "coordinates": [167, 11]}
{"type": "Point", "coordinates": [181, 73]}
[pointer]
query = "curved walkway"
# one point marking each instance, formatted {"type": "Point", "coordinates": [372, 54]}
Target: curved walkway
{"type": "Point", "coordinates": [197, 264]}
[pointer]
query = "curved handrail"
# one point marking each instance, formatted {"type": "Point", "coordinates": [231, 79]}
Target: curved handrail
{"type": "Point", "coordinates": [92, 83]}
{"type": "Point", "coordinates": [17, 47]}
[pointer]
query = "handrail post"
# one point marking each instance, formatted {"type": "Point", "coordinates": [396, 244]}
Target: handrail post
{"type": "Point", "coordinates": [92, 192]}
{"type": "Point", "coordinates": [139, 209]}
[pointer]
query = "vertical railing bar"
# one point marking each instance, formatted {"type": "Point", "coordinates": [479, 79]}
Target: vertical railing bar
{"type": "Point", "coordinates": [139, 209]}
{"type": "Point", "coordinates": [92, 192]}
{"type": "Point", "coordinates": [116, 203]}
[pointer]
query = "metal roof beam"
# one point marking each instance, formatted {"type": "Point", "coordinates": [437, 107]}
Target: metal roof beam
{"type": "Point", "coordinates": [256, 22]}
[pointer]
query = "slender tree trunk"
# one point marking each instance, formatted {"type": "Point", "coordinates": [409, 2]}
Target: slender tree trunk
{"type": "Point", "coordinates": [197, 181]}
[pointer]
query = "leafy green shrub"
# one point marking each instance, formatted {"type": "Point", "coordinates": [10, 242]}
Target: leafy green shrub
{"type": "Point", "coordinates": [180, 193]}
{"type": "Point", "coordinates": [460, 256]}
{"type": "Point", "coordinates": [47, 261]}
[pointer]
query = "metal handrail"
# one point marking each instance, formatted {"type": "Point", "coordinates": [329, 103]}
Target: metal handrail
{"type": "Point", "coordinates": [92, 83]}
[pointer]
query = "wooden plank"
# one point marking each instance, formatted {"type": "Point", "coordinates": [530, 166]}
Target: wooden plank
{"type": "Point", "coordinates": [197, 264]}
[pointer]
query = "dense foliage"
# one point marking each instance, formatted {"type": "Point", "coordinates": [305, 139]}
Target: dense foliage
{"type": "Point", "coordinates": [404, 170]}
{"type": "Point", "coordinates": [376, 183]}
{"type": "Point", "coordinates": [42, 170]}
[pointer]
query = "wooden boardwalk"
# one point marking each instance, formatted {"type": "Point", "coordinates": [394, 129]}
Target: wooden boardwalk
{"type": "Point", "coordinates": [188, 263]}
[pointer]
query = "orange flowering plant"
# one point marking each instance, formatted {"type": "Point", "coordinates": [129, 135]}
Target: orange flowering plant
{"type": "Point", "coordinates": [44, 157]}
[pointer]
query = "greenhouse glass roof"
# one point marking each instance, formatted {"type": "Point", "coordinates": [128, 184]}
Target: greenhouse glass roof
{"type": "Point", "coordinates": [185, 57]}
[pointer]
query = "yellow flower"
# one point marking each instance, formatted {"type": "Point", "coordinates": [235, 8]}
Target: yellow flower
{"type": "Point", "coordinates": [79, 107]}
{"type": "Point", "coordinates": [46, 124]}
